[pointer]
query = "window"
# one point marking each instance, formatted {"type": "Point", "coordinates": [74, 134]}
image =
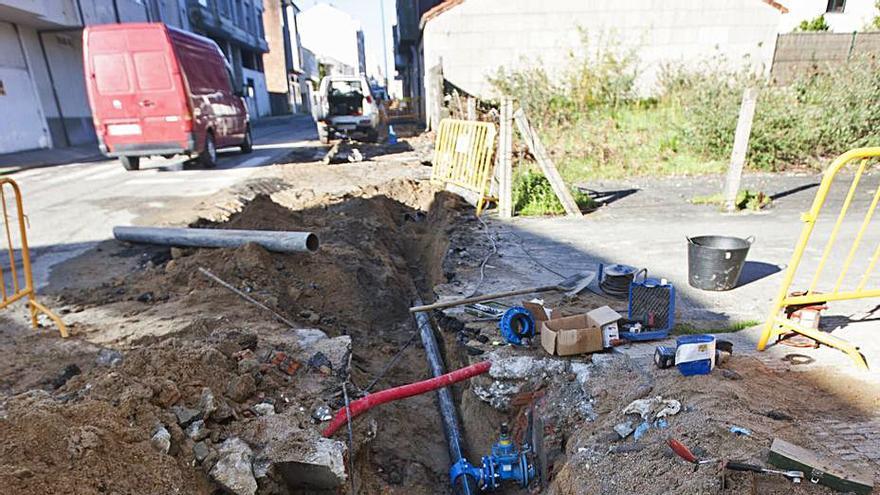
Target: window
{"type": "Point", "coordinates": [835, 6]}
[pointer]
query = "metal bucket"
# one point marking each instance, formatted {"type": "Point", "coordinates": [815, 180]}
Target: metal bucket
{"type": "Point", "coordinates": [716, 261]}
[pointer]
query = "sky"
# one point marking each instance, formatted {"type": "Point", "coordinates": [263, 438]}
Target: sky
{"type": "Point", "coordinates": [368, 13]}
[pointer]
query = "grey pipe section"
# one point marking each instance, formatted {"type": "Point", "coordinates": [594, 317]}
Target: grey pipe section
{"type": "Point", "coordinates": [279, 241]}
{"type": "Point", "coordinates": [448, 414]}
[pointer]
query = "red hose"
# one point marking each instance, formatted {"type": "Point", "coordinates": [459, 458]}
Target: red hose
{"type": "Point", "coordinates": [364, 404]}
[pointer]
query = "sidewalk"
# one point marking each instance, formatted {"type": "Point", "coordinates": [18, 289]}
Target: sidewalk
{"type": "Point", "coordinates": [11, 163]}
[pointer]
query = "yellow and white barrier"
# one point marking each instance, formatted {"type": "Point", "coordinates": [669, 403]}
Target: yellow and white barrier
{"type": "Point", "coordinates": [463, 154]}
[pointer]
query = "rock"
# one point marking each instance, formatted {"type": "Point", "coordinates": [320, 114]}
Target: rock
{"type": "Point", "coordinates": [307, 337]}
{"type": "Point", "coordinates": [69, 371]}
{"type": "Point", "coordinates": [264, 409]}
{"type": "Point", "coordinates": [146, 297]}
{"type": "Point", "coordinates": [311, 316]}
{"type": "Point", "coordinates": [318, 466]}
{"type": "Point", "coordinates": [525, 367]}
{"type": "Point", "coordinates": [166, 393]}
{"type": "Point", "coordinates": [337, 350]}
{"type": "Point", "coordinates": [261, 467]}
{"type": "Point", "coordinates": [233, 468]}
{"type": "Point", "coordinates": [322, 413]}
{"type": "Point", "coordinates": [581, 372]}
{"type": "Point", "coordinates": [201, 450]}
{"type": "Point", "coordinates": [248, 365]}
{"type": "Point", "coordinates": [320, 362]}
{"type": "Point", "coordinates": [241, 387]}
{"type": "Point", "coordinates": [624, 429]}
{"type": "Point", "coordinates": [731, 375]}
{"type": "Point", "coordinates": [207, 404]}
{"type": "Point", "coordinates": [161, 440]}
{"type": "Point", "coordinates": [185, 415]}
{"type": "Point", "coordinates": [177, 253]}
{"type": "Point", "coordinates": [197, 430]}
{"type": "Point", "coordinates": [108, 357]}
{"type": "Point", "coordinates": [223, 413]}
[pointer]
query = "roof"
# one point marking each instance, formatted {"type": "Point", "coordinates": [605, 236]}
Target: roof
{"type": "Point", "coordinates": [776, 5]}
{"type": "Point", "coordinates": [437, 10]}
{"type": "Point", "coordinates": [449, 4]}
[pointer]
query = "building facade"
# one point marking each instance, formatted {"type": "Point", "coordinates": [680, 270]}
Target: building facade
{"type": "Point", "coordinates": [842, 16]}
{"type": "Point", "coordinates": [289, 87]}
{"type": "Point", "coordinates": [408, 60]}
{"type": "Point", "coordinates": [41, 70]}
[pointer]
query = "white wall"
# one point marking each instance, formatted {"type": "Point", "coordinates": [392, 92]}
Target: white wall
{"type": "Point", "coordinates": [330, 33]}
{"type": "Point", "coordinates": [856, 15]}
{"type": "Point", "coordinates": [476, 37]}
{"type": "Point", "coordinates": [259, 105]}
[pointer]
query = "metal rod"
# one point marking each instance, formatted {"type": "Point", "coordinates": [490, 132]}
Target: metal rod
{"type": "Point", "coordinates": [350, 437]}
{"type": "Point", "coordinates": [448, 414]}
{"type": "Point", "coordinates": [246, 297]}
{"type": "Point", "coordinates": [280, 241]}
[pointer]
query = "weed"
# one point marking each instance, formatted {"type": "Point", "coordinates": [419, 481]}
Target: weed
{"type": "Point", "coordinates": [532, 195]}
{"type": "Point", "coordinates": [736, 326]}
{"type": "Point", "coordinates": [745, 200]}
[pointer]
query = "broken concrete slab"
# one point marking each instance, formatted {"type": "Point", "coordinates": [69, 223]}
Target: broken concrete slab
{"type": "Point", "coordinates": [321, 466]}
{"type": "Point", "coordinates": [185, 415]}
{"type": "Point", "coordinates": [233, 468]}
{"type": "Point", "coordinates": [525, 367]}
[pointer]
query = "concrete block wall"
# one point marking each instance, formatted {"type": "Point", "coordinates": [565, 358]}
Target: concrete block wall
{"type": "Point", "coordinates": [477, 37]}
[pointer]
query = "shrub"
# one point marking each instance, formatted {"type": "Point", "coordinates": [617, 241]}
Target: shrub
{"type": "Point", "coordinates": [532, 195]}
{"type": "Point", "coordinates": [816, 24]}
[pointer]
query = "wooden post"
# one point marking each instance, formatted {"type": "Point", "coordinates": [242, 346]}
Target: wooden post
{"type": "Point", "coordinates": [505, 160]}
{"type": "Point", "coordinates": [471, 108]}
{"type": "Point", "coordinates": [435, 96]}
{"type": "Point", "coordinates": [740, 147]}
{"type": "Point", "coordinates": [547, 167]}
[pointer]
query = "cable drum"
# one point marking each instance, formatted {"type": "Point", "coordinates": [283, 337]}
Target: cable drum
{"type": "Point", "coordinates": [616, 280]}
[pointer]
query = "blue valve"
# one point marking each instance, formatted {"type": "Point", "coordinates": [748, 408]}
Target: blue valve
{"type": "Point", "coordinates": [505, 463]}
{"type": "Point", "coordinates": [516, 325]}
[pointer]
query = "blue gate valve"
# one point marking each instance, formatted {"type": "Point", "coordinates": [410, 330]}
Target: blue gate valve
{"type": "Point", "coordinates": [516, 325]}
{"type": "Point", "coordinates": [505, 463]}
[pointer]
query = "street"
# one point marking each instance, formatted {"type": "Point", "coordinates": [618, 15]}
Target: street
{"type": "Point", "coordinates": [72, 207]}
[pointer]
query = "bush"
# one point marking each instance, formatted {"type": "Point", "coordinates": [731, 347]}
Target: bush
{"type": "Point", "coordinates": [532, 195]}
{"type": "Point", "coordinates": [816, 24]}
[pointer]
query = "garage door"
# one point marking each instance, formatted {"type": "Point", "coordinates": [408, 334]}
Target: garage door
{"type": "Point", "coordinates": [18, 98]}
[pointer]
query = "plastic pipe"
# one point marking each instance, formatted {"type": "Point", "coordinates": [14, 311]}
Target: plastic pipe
{"type": "Point", "coordinates": [279, 241]}
{"type": "Point", "coordinates": [466, 485]}
{"type": "Point", "coordinates": [364, 404]}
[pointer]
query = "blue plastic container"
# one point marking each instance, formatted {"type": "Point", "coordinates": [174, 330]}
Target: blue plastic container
{"type": "Point", "coordinates": [695, 354]}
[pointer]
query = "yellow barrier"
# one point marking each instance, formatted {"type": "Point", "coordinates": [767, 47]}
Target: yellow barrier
{"type": "Point", "coordinates": [19, 291]}
{"type": "Point", "coordinates": [777, 324]}
{"type": "Point", "coordinates": [463, 156]}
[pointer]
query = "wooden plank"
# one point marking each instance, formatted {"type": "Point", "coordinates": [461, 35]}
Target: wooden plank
{"type": "Point", "coordinates": [740, 147]}
{"type": "Point", "coordinates": [471, 108]}
{"type": "Point", "coordinates": [818, 469]}
{"type": "Point", "coordinates": [505, 160]}
{"type": "Point", "coordinates": [547, 167]}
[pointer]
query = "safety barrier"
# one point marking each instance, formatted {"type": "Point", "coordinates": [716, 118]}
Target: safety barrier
{"type": "Point", "coordinates": [463, 156]}
{"type": "Point", "coordinates": [19, 290]}
{"type": "Point", "coordinates": [777, 322]}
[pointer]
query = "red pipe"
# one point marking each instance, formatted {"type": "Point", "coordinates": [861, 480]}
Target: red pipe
{"type": "Point", "coordinates": [364, 404]}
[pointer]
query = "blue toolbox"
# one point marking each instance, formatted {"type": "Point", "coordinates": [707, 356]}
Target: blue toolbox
{"type": "Point", "coordinates": [651, 309]}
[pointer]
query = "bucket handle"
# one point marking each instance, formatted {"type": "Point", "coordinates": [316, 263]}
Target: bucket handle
{"type": "Point", "coordinates": [750, 239]}
{"type": "Point", "coordinates": [644, 272]}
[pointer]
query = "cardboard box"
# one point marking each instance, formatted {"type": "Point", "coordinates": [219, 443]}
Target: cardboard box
{"type": "Point", "coordinates": [539, 311]}
{"type": "Point", "coordinates": [606, 319]}
{"type": "Point", "coordinates": [570, 335]}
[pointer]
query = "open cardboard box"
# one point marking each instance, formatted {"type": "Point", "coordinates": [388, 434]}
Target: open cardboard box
{"type": "Point", "coordinates": [571, 335]}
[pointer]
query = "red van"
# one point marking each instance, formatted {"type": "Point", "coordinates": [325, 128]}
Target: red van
{"type": "Point", "coordinates": [156, 90]}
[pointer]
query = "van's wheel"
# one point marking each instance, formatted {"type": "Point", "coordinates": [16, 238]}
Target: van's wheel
{"type": "Point", "coordinates": [208, 156]}
{"type": "Point", "coordinates": [130, 162]}
{"type": "Point", "coordinates": [248, 144]}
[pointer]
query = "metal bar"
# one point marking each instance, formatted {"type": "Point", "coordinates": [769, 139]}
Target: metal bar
{"type": "Point", "coordinates": [9, 240]}
{"type": "Point", "coordinates": [834, 296]}
{"type": "Point", "coordinates": [279, 241]}
{"type": "Point", "coordinates": [448, 414]}
{"type": "Point", "coordinates": [870, 269]}
{"type": "Point", "coordinates": [858, 240]}
{"type": "Point", "coordinates": [829, 340]}
{"type": "Point", "coordinates": [830, 244]}
{"type": "Point", "coordinates": [246, 297]}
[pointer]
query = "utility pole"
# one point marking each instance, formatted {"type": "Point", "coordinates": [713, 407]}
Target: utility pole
{"type": "Point", "coordinates": [384, 44]}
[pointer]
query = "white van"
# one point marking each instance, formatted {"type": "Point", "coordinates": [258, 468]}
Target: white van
{"type": "Point", "coordinates": [345, 106]}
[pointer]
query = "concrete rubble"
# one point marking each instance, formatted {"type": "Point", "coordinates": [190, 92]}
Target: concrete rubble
{"type": "Point", "coordinates": [233, 469]}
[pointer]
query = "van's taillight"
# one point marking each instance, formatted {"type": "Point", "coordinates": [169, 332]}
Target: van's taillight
{"type": "Point", "coordinates": [187, 121]}
{"type": "Point", "coordinates": [369, 99]}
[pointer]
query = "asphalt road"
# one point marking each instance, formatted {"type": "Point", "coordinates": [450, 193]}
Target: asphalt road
{"type": "Point", "coordinates": [72, 207]}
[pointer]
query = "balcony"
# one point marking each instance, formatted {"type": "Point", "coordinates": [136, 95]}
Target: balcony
{"type": "Point", "coordinates": [217, 21]}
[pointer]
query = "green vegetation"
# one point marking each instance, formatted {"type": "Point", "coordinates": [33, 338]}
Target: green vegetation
{"type": "Point", "coordinates": [816, 24]}
{"type": "Point", "coordinates": [745, 200]}
{"type": "Point", "coordinates": [736, 326]}
{"type": "Point", "coordinates": [594, 125]}
{"type": "Point", "coordinates": [532, 195]}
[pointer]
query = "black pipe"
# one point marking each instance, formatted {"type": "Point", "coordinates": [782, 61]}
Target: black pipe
{"type": "Point", "coordinates": [448, 414]}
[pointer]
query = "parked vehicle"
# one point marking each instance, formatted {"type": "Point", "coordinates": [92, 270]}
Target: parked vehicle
{"type": "Point", "coordinates": [346, 106]}
{"type": "Point", "coordinates": [156, 90]}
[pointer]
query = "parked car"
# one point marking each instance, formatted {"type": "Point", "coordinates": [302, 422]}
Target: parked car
{"type": "Point", "coordinates": [156, 90]}
{"type": "Point", "coordinates": [346, 106]}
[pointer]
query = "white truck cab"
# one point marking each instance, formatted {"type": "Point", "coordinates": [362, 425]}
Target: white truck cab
{"type": "Point", "coordinates": [345, 106]}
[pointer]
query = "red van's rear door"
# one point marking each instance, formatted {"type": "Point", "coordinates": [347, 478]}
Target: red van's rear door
{"type": "Point", "coordinates": [138, 94]}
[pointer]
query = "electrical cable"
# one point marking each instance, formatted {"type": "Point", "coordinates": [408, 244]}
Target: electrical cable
{"type": "Point", "coordinates": [392, 362]}
{"type": "Point", "coordinates": [522, 247]}
{"type": "Point", "coordinates": [488, 256]}
{"type": "Point", "coordinates": [350, 438]}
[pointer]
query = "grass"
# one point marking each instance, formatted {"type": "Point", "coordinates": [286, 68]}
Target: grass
{"type": "Point", "coordinates": [736, 326]}
{"type": "Point", "coordinates": [745, 200]}
{"type": "Point", "coordinates": [533, 196]}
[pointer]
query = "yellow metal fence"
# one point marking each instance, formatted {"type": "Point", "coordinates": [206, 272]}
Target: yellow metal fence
{"type": "Point", "coordinates": [777, 323]}
{"type": "Point", "coordinates": [13, 288]}
{"type": "Point", "coordinates": [463, 153]}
